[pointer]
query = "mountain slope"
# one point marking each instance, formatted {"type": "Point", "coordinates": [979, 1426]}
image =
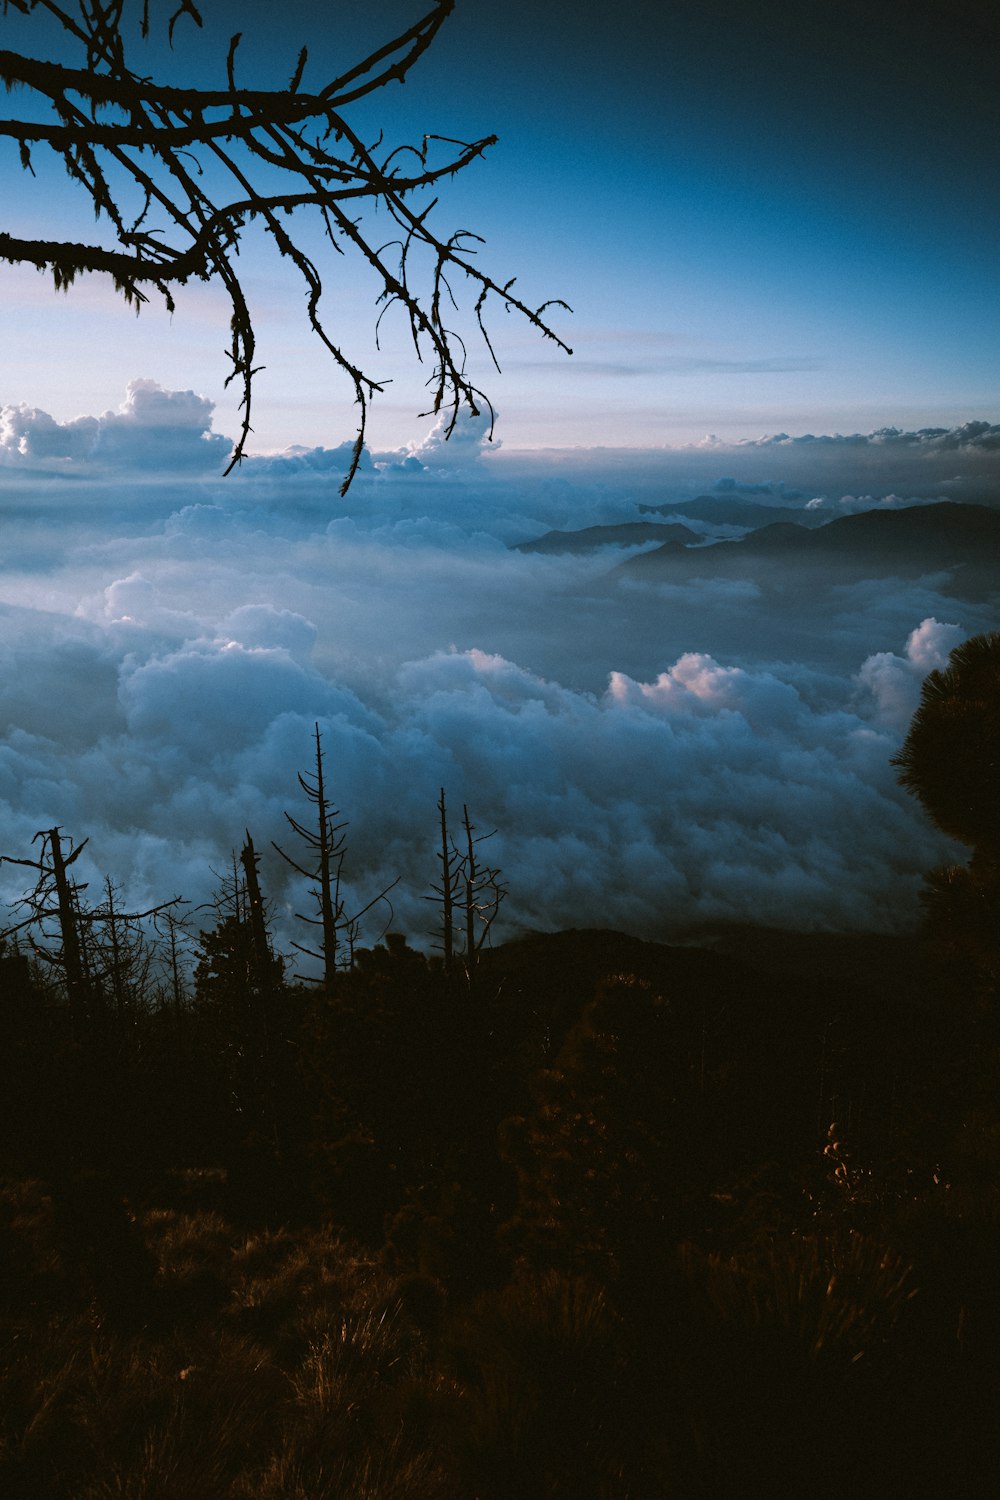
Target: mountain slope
{"type": "Point", "coordinates": [624, 534]}
{"type": "Point", "coordinates": [960, 540]}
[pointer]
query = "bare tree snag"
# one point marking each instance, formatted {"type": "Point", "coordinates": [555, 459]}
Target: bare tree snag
{"type": "Point", "coordinates": [446, 894]}
{"type": "Point", "coordinates": [484, 893]}
{"type": "Point", "coordinates": [56, 899]}
{"type": "Point", "coordinates": [327, 845]}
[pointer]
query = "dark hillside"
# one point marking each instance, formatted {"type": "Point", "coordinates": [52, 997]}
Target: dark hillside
{"type": "Point", "coordinates": [960, 540]}
{"type": "Point", "coordinates": [733, 510]}
{"type": "Point", "coordinates": [625, 534]}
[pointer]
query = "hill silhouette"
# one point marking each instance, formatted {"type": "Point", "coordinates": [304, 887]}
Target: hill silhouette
{"type": "Point", "coordinates": [625, 534]}
{"type": "Point", "coordinates": [734, 510]}
{"type": "Point", "coordinates": [962, 541]}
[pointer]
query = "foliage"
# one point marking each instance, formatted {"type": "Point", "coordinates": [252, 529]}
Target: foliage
{"type": "Point", "coordinates": [951, 756]}
{"type": "Point", "coordinates": [951, 761]}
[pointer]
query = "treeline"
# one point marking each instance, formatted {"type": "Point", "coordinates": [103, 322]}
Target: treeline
{"type": "Point", "coordinates": [133, 1040]}
{"type": "Point", "coordinates": [577, 1216]}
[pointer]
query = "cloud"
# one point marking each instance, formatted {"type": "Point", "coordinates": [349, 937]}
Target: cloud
{"type": "Point", "coordinates": [710, 791]}
{"type": "Point", "coordinates": [650, 758]}
{"type": "Point", "coordinates": [984, 436]}
{"type": "Point", "coordinates": [27, 434]}
{"type": "Point", "coordinates": [469, 439]}
{"type": "Point", "coordinates": [160, 435]}
{"type": "Point", "coordinates": [217, 696]}
{"type": "Point", "coordinates": [778, 491]}
{"type": "Point", "coordinates": [259, 625]}
{"type": "Point", "coordinates": [152, 430]}
{"type": "Point", "coordinates": [309, 462]}
{"type": "Point", "coordinates": [894, 681]}
{"type": "Point", "coordinates": [850, 505]}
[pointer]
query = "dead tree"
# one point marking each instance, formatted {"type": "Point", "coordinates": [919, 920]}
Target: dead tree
{"type": "Point", "coordinates": [56, 897]}
{"type": "Point", "coordinates": [447, 893]}
{"type": "Point", "coordinates": [266, 969]}
{"type": "Point", "coordinates": [483, 893]}
{"type": "Point", "coordinates": [326, 844]}
{"type": "Point", "coordinates": [469, 888]}
{"type": "Point", "coordinates": [326, 847]}
{"type": "Point", "coordinates": [172, 956]}
{"type": "Point", "coordinates": [97, 951]}
{"type": "Point", "coordinates": [239, 992]}
{"type": "Point", "coordinates": [122, 955]}
{"type": "Point", "coordinates": [176, 175]}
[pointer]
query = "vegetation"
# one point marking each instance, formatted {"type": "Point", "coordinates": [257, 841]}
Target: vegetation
{"type": "Point", "coordinates": [577, 1216]}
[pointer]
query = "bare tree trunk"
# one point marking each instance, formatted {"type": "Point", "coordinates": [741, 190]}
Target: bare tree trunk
{"type": "Point", "coordinates": [73, 965]}
{"type": "Point", "coordinates": [259, 944]}
{"type": "Point", "coordinates": [447, 892]}
{"type": "Point", "coordinates": [471, 873]}
{"type": "Point", "coordinates": [328, 902]}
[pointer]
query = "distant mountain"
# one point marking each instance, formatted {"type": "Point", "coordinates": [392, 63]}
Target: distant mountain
{"type": "Point", "coordinates": [962, 540]}
{"type": "Point", "coordinates": [625, 534]}
{"type": "Point", "coordinates": [732, 510]}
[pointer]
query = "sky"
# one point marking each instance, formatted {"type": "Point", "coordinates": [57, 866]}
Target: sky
{"type": "Point", "coordinates": [776, 226]}
{"type": "Point", "coordinates": [766, 218]}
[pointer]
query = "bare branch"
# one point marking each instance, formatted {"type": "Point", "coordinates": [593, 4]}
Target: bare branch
{"type": "Point", "coordinates": [118, 131]}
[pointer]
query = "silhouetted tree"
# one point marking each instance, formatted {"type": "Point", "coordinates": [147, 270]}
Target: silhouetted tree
{"type": "Point", "coordinates": [951, 756]}
{"type": "Point", "coordinates": [950, 759]}
{"type": "Point", "coordinates": [176, 173]}
{"type": "Point", "coordinates": [265, 968]}
{"type": "Point", "coordinates": [238, 976]}
{"type": "Point", "coordinates": [326, 847]}
{"type": "Point", "coordinates": [482, 894]}
{"type": "Point", "coordinates": [56, 899]}
{"type": "Point", "coordinates": [446, 894]}
{"type": "Point", "coordinates": [100, 951]}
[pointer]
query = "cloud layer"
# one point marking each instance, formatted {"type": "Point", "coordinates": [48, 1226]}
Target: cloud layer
{"type": "Point", "coordinates": [650, 758]}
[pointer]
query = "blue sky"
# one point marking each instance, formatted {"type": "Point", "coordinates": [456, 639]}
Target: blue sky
{"type": "Point", "coordinates": [766, 218]}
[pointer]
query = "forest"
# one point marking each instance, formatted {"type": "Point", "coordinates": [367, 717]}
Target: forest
{"type": "Point", "coordinates": [569, 1215]}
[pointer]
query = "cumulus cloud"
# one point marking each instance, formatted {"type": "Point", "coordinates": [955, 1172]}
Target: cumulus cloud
{"type": "Point", "coordinates": [981, 435]}
{"type": "Point", "coordinates": [153, 429]}
{"type": "Point", "coordinates": [465, 445]}
{"type": "Point", "coordinates": [160, 434]}
{"type": "Point", "coordinates": [894, 682]}
{"type": "Point", "coordinates": [309, 462]}
{"type": "Point", "coordinates": [27, 434]}
{"type": "Point", "coordinates": [711, 791]}
{"type": "Point", "coordinates": [650, 758]}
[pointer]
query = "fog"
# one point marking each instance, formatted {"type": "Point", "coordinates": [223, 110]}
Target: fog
{"type": "Point", "coordinates": [653, 757]}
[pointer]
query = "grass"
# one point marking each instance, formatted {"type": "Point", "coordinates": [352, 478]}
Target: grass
{"type": "Point", "coordinates": [293, 1365]}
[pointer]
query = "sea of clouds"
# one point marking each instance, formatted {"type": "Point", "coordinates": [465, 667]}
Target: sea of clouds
{"type": "Point", "coordinates": [653, 757]}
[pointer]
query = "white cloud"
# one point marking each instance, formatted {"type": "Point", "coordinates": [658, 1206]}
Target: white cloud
{"type": "Point", "coordinates": [851, 505]}
{"type": "Point", "coordinates": [709, 792]}
{"type": "Point", "coordinates": [649, 757]}
{"type": "Point", "coordinates": [894, 681]}
{"type": "Point", "coordinates": [153, 430]}
{"type": "Point", "coordinates": [466, 443]}
{"type": "Point", "coordinates": [28, 434]}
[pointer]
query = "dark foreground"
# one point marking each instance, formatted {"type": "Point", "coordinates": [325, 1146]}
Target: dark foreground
{"type": "Point", "coordinates": [614, 1220]}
